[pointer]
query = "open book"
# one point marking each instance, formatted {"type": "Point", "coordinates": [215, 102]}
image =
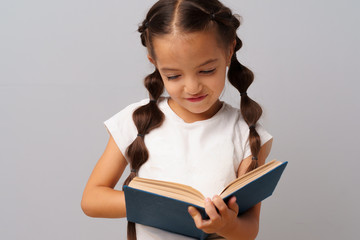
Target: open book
{"type": "Point", "coordinates": [164, 204]}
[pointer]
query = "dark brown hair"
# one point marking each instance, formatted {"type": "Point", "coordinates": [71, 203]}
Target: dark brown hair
{"type": "Point", "coordinates": [188, 16]}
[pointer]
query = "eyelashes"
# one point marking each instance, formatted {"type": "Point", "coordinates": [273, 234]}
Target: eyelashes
{"type": "Point", "coordinates": [208, 72]}
{"type": "Point", "coordinates": [173, 77]}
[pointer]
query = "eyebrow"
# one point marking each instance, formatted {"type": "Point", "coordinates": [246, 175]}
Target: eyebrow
{"type": "Point", "coordinates": [203, 64]}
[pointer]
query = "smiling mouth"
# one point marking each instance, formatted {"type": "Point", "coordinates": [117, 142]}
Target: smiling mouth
{"type": "Point", "coordinates": [197, 99]}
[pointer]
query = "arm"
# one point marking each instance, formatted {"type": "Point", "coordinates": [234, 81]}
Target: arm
{"type": "Point", "coordinates": [226, 223]}
{"type": "Point", "coordinates": [99, 197]}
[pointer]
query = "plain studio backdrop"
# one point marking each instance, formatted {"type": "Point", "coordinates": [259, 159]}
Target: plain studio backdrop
{"type": "Point", "coordinates": [67, 66]}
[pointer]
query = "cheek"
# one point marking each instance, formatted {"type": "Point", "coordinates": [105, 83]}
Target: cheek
{"type": "Point", "coordinates": [172, 89]}
{"type": "Point", "coordinates": [218, 82]}
{"type": "Point", "coordinates": [219, 86]}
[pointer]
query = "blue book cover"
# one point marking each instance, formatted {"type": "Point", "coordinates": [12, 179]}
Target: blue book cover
{"type": "Point", "coordinates": [170, 214]}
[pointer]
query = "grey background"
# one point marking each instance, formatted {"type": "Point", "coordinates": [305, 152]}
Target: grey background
{"type": "Point", "coordinates": [67, 66]}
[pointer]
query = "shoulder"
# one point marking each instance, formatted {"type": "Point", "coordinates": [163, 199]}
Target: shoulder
{"type": "Point", "coordinates": [123, 118]}
{"type": "Point", "coordinates": [229, 112]}
{"type": "Point", "coordinates": [128, 110]}
{"type": "Point", "coordinates": [121, 125]}
{"type": "Point", "coordinates": [233, 114]}
{"type": "Point", "coordinates": [133, 106]}
{"type": "Point", "coordinates": [242, 128]}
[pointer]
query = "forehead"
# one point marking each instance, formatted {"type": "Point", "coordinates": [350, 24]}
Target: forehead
{"type": "Point", "coordinates": [183, 50]}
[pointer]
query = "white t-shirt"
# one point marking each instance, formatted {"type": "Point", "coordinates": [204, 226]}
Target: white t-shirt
{"type": "Point", "coordinates": [204, 154]}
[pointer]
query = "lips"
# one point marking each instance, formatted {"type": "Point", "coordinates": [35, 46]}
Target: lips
{"type": "Point", "coordinates": [197, 99]}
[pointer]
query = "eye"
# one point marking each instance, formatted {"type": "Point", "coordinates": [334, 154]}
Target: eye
{"type": "Point", "coordinates": [208, 71]}
{"type": "Point", "coordinates": [173, 77]}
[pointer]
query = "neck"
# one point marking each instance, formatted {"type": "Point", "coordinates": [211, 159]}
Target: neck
{"type": "Point", "coordinates": [190, 117]}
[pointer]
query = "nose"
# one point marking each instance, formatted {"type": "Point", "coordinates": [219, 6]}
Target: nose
{"type": "Point", "coordinates": [193, 86]}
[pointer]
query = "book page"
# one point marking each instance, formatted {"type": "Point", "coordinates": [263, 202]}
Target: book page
{"type": "Point", "coordinates": [186, 193]}
{"type": "Point", "coordinates": [178, 191]}
{"type": "Point", "coordinates": [249, 177]}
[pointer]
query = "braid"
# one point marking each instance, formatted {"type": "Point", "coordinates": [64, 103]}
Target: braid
{"type": "Point", "coordinates": [241, 78]}
{"type": "Point", "coordinates": [146, 118]}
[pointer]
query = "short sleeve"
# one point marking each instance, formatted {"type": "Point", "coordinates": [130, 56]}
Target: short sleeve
{"type": "Point", "coordinates": [122, 128]}
{"type": "Point", "coordinates": [242, 146]}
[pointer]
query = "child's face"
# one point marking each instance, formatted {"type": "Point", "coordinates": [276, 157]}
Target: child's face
{"type": "Point", "coordinates": [193, 69]}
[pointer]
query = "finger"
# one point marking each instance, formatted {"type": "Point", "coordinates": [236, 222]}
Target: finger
{"type": "Point", "coordinates": [233, 205]}
{"type": "Point", "coordinates": [220, 205]}
{"type": "Point", "coordinates": [211, 210]}
{"type": "Point", "coordinates": [195, 214]}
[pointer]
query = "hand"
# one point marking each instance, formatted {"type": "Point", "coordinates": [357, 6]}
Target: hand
{"type": "Point", "coordinates": [219, 222]}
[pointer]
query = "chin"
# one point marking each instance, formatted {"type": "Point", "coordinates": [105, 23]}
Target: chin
{"type": "Point", "coordinates": [198, 110]}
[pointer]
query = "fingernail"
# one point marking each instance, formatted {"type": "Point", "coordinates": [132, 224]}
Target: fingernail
{"type": "Point", "coordinates": [208, 199]}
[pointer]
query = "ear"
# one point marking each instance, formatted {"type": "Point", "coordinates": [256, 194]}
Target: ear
{"type": "Point", "coordinates": [151, 60]}
{"type": "Point", "coordinates": [231, 52]}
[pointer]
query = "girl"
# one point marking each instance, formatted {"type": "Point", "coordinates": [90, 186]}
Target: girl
{"type": "Point", "coordinates": [190, 137]}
